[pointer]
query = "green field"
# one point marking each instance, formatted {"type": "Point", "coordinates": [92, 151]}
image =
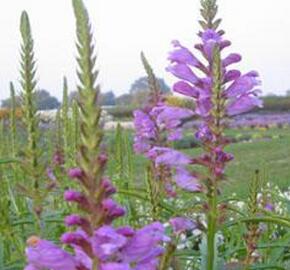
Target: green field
{"type": "Point", "coordinates": [265, 150]}
{"type": "Point", "coordinates": [270, 156]}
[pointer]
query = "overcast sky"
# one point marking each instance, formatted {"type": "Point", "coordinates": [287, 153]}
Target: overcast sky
{"type": "Point", "coordinates": [259, 30]}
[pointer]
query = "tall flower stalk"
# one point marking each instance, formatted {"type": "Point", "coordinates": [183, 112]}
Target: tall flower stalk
{"type": "Point", "coordinates": [158, 124]}
{"type": "Point", "coordinates": [253, 229]}
{"type": "Point", "coordinates": [96, 243]}
{"type": "Point", "coordinates": [218, 93]}
{"type": "Point", "coordinates": [28, 84]}
{"type": "Point", "coordinates": [31, 164]}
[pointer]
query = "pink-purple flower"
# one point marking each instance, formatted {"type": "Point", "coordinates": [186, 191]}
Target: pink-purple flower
{"type": "Point", "coordinates": [43, 254]}
{"type": "Point", "coordinates": [241, 95]}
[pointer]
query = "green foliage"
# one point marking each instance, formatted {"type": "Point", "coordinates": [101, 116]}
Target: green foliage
{"type": "Point", "coordinates": [28, 84]}
{"type": "Point", "coordinates": [276, 103]}
{"type": "Point", "coordinates": [91, 134]}
{"type": "Point", "coordinates": [66, 124]}
{"type": "Point", "coordinates": [122, 112]}
{"type": "Point", "coordinates": [43, 101]}
{"type": "Point", "coordinates": [209, 11]}
{"type": "Point", "coordinates": [155, 90]}
{"type": "Point", "coordinates": [75, 130]}
{"type": "Point", "coordinates": [13, 130]}
{"type": "Point", "coordinates": [123, 174]}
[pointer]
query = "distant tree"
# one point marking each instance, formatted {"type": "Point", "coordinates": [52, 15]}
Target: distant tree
{"type": "Point", "coordinates": [124, 99]}
{"type": "Point", "coordinates": [6, 103]}
{"type": "Point", "coordinates": [44, 101]}
{"type": "Point", "coordinates": [139, 90]}
{"type": "Point", "coordinates": [288, 93]}
{"type": "Point", "coordinates": [108, 98]}
{"type": "Point", "coordinates": [271, 94]}
{"type": "Point", "coordinates": [141, 84]}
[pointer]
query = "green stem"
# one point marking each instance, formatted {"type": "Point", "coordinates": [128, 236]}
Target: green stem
{"type": "Point", "coordinates": [212, 224]}
{"type": "Point", "coordinates": [95, 264]}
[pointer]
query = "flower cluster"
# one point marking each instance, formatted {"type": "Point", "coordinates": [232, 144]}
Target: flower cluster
{"type": "Point", "coordinates": [96, 241]}
{"type": "Point", "coordinates": [217, 90]}
{"type": "Point", "coordinates": [156, 125]}
{"type": "Point", "coordinates": [239, 92]}
{"type": "Point", "coordinates": [116, 249]}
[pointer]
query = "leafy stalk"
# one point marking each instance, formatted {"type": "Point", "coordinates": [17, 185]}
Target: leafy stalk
{"type": "Point", "coordinates": [75, 130]}
{"type": "Point", "coordinates": [253, 232]}
{"type": "Point", "coordinates": [153, 194]}
{"type": "Point", "coordinates": [31, 164]}
{"type": "Point", "coordinates": [65, 122]}
{"type": "Point", "coordinates": [13, 129]}
{"type": "Point", "coordinates": [89, 160]}
{"type": "Point", "coordinates": [28, 84]}
{"type": "Point", "coordinates": [208, 12]}
{"type": "Point", "coordinates": [154, 87]}
{"type": "Point", "coordinates": [91, 134]}
{"type": "Point", "coordinates": [212, 217]}
{"type": "Point", "coordinates": [119, 157]}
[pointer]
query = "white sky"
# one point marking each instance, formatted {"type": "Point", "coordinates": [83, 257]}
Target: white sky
{"type": "Point", "coordinates": [259, 30]}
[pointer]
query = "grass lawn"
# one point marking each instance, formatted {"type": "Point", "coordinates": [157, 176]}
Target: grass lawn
{"type": "Point", "coordinates": [270, 155]}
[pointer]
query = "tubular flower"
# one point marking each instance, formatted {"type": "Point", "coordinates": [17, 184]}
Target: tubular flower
{"type": "Point", "coordinates": [42, 254]}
